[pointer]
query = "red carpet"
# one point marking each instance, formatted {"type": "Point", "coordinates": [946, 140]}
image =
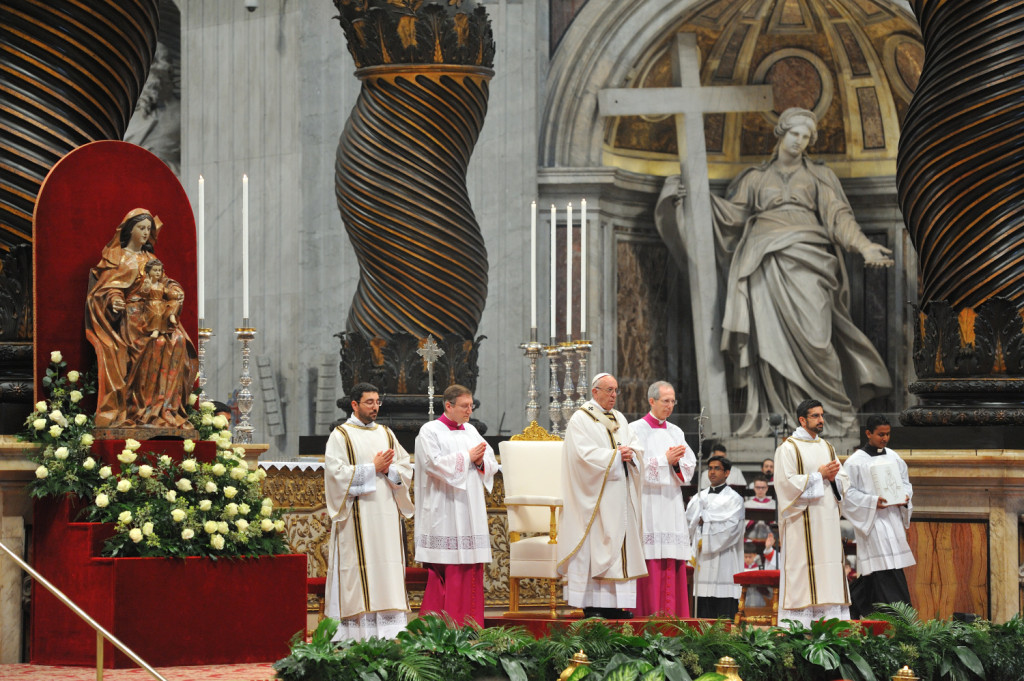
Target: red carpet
{"type": "Point", "coordinates": [226, 672]}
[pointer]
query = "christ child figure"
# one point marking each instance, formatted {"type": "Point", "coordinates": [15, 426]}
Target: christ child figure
{"type": "Point", "coordinates": [162, 301]}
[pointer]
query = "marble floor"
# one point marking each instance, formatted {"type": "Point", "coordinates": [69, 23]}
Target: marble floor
{"type": "Point", "coordinates": [236, 672]}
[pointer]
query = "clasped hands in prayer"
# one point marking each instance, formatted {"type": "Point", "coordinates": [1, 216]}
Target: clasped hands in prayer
{"type": "Point", "coordinates": [829, 470]}
{"type": "Point", "coordinates": [625, 453]}
{"type": "Point", "coordinates": [383, 460]}
{"type": "Point", "coordinates": [674, 454]}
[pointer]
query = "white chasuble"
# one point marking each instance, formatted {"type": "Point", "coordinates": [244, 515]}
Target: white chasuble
{"type": "Point", "coordinates": [813, 577]}
{"type": "Point", "coordinates": [665, 532]}
{"type": "Point", "coordinates": [366, 562]}
{"type": "Point", "coordinates": [719, 541]}
{"type": "Point", "coordinates": [451, 506]}
{"type": "Point", "coordinates": [600, 548]}
{"type": "Point", "coordinates": [881, 533]}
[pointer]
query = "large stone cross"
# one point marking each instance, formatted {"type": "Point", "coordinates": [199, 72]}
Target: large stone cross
{"type": "Point", "coordinates": [687, 102]}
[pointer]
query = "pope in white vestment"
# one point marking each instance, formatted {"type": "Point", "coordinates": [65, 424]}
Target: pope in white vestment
{"type": "Point", "coordinates": [599, 544]}
{"type": "Point", "coordinates": [813, 580]}
{"type": "Point", "coordinates": [365, 586]}
{"type": "Point", "coordinates": [455, 469]}
{"type": "Point", "coordinates": [716, 519]}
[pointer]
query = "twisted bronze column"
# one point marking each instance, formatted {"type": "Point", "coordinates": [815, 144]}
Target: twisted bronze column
{"type": "Point", "coordinates": [960, 183]}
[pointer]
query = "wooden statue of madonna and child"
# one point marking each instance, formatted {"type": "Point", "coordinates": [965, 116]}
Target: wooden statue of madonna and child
{"type": "Point", "coordinates": [146, 362]}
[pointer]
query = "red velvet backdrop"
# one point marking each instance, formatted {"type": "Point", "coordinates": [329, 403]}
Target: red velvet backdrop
{"type": "Point", "coordinates": [81, 203]}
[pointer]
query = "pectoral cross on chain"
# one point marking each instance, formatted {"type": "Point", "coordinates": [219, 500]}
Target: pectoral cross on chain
{"type": "Point", "coordinates": [431, 353]}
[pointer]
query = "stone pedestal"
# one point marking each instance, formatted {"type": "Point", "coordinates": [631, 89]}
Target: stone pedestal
{"type": "Point", "coordinates": [15, 508]}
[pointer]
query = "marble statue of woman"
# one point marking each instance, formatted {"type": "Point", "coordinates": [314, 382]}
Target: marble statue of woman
{"type": "Point", "coordinates": [786, 327]}
{"type": "Point", "coordinates": [144, 378]}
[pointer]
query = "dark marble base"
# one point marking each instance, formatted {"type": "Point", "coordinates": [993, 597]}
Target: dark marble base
{"type": "Point", "coordinates": [957, 437]}
{"type": "Point", "coordinates": [145, 433]}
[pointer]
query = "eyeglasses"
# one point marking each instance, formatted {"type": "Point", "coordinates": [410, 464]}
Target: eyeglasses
{"type": "Point", "coordinates": [372, 403]}
{"type": "Point", "coordinates": [610, 391]}
{"type": "Point", "coordinates": [667, 401]}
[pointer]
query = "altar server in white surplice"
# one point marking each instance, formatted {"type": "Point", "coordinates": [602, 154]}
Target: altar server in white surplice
{"type": "Point", "coordinates": [809, 484]}
{"type": "Point", "coordinates": [454, 470]}
{"type": "Point", "coordinates": [600, 550]}
{"type": "Point", "coordinates": [716, 518]}
{"type": "Point", "coordinates": [668, 464]}
{"type": "Point", "coordinates": [367, 475]}
{"type": "Point", "coordinates": [880, 528]}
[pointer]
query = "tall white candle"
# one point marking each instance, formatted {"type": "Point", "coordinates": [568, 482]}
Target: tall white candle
{"type": "Point", "coordinates": [200, 251]}
{"type": "Point", "coordinates": [568, 272]}
{"type": "Point", "coordinates": [533, 266]}
{"type": "Point", "coordinates": [554, 271]}
{"type": "Point", "coordinates": [583, 269]}
{"type": "Point", "coordinates": [245, 247]}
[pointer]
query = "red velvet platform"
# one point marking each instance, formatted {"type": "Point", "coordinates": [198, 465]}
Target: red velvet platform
{"type": "Point", "coordinates": [171, 612]}
{"type": "Point", "coordinates": [106, 451]}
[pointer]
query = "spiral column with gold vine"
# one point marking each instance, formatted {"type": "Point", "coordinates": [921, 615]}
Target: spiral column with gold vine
{"type": "Point", "coordinates": [961, 186]}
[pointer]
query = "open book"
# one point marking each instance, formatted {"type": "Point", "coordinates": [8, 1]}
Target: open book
{"type": "Point", "coordinates": [888, 483]}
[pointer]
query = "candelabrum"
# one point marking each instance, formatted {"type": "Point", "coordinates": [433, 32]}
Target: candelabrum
{"type": "Point", "coordinates": [555, 410]}
{"type": "Point", "coordinates": [532, 351]}
{"type": "Point", "coordinates": [568, 404]}
{"type": "Point", "coordinates": [583, 348]}
{"type": "Point", "coordinates": [205, 335]}
{"type": "Point", "coordinates": [243, 431]}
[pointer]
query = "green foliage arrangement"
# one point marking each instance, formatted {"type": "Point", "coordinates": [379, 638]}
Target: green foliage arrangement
{"type": "Point", "coordinates": [937, 650]}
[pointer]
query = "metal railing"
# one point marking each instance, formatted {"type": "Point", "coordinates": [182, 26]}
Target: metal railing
{"type": "Point", "coordinates": [101, 633]}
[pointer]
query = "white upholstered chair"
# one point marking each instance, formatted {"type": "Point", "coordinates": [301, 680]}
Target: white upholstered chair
{"type": "Point", "coordinates": [532, 471]}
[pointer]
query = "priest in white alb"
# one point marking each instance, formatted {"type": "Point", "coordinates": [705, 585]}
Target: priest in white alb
{"type": "Point", "coordinates": [455, 470]}
{"type": "Point", "coordinates": [367, 476]}
{"type": "Point", "coordinates": [668, 465]}
{"type": "Point", "coordinates": [716, 518]}
{"type": "Point", "coordinates": [600, 549]}
{"type": "Point", "coordinates": [809, 485]}
{"type": "Point", "coordinates": [879, 527]}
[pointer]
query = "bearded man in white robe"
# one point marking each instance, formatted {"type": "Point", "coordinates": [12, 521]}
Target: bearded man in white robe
{"type": "Point", "coordinates": [600, 548]}
{"type": "Point", "coordinates": [367, 476]}
{"type": "Point", "coordinates": [879, 527]}
{"type": "Point", "coordinates": [809, 484]}
{"type": "Point", "coordinates": [454, 471]}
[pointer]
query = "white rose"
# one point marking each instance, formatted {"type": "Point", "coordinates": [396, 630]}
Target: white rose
{"type": "Point", "coordinates": [206, 406]}
{"type": "Point", "coordinates": [42, 472]}
{"type": "Point", "coordinates": [231, 510]}
{"type": "Point", "coordinates": [267, 525]}
{"type": "Point", "coordinates": [192, 399]}
{"type": "Point", "coordinates": [211, 487]}
{"type": "Point", "coordinates": [145, 471]}
{"type": "Point", "coordinates": [89, 463]}
{"type": "Point", "coordinates": [243, 509]}
{"type": "Point", "coordinates": [207, 420]}
{"type": "Point", "coordinates": [147, 529]}
{"type": "Point", "coordinates": [223, 444]}
{"type": "Point", "coordinates": [39, 424]}
{"type": "Point", "coordinates": [102, 500]}
{"type": "Point", "coordinates": [222, 527]}
{"type": "Point", "coordinates": [75, 396]}
{"type": "Point", "coordinates": [73, 376]}
{"type": "Point", "coordinates": [136, 535]}
{"type": "Point", "coordinates": [238, 473]}
{"type": "Point", "coordinates": [279, 525]}
{"type": "Point", "coordinates": [184, 484]}
{"type": "Point", "coordinates": [177, 515]}
{"type": "Point", "coordinates": [165, 460]}
{"type": "Point", "coordinates": [261, 473]}
{"type": "Point", "coordinates": [87, 440]}
{"type": "Point", "coordinates": [266, 501]}
{"type": "Point", "coordinates": [189, 446]}
{"type": "Point", "coordinates": [187, 534]}
{"type": "Point", "coordinates": [132, 444]}
{"type": "Point", "coordinates": [252, 477]}
{"type": "Point", "coordinates": [265, 511]}
{"type": "Point", "coordinates": [58, 417]}
{"type": "Point", "coordinates": [56, 357]}
{"type": "Point", "coordinates": [230, 492]}
{"type": "Point", "coordinates": [225, 435]}
{"type": "Point", "coordinates": [219, 469]}
{"type": "Point", "coordinates": [41, 407]}
{"type": "Point", "coordinates": [220, 421]}
{"type": "Point", "coordinates": [80, 419]}
{"type": "Point", "coordinates": [60, 453]}
{"type": "Point", "coordinates": [217, 542]}
{"type": "Point", "coordinates": [242, 524]}
{"type": "Point", "coordinates": [210, 526]}
{"type": "Point", "coordinates": [171, 495]}
{"type": "Point", "coordinates": [105, 472]}
{"type": "Point", "coordinates": [56, 430]}
{"type": "Point", "coordinates": [188, 465]}
{"type": "Point", "coordinates": [205, 505]}
{"type": "Point", "coordinates": [123, 485]}
{"type": "Point", "coordinates": [125, 517]}
{"type": "Point", "coordinates": [127, 456]}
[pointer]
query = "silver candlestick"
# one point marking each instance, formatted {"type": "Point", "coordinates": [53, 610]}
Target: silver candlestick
{"type": "Point", "coordinates": [431, 353]}
{"type": "Point", "coordinates": [244, 429]}
{"type": "Point", "coordinates": [532, 351]}
{"type": "Point", "coordinates": [555, 409]}
{"type": "Point", "coordinates": [205, 335]}
{"type": "Point", "coordinates": [568, 404]}
{"type": "Point", "coordinates": [583, 347]}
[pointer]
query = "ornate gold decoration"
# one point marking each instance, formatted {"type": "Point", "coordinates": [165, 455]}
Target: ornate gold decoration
{"type": "Point", "coordinates": [904, 674]}
{"type": "Point", "coordinates": [578, 660]}
{"type": "Point", "coordinates": [728, 666]}
{"type": "Point", "coordinates": [534, 433]}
